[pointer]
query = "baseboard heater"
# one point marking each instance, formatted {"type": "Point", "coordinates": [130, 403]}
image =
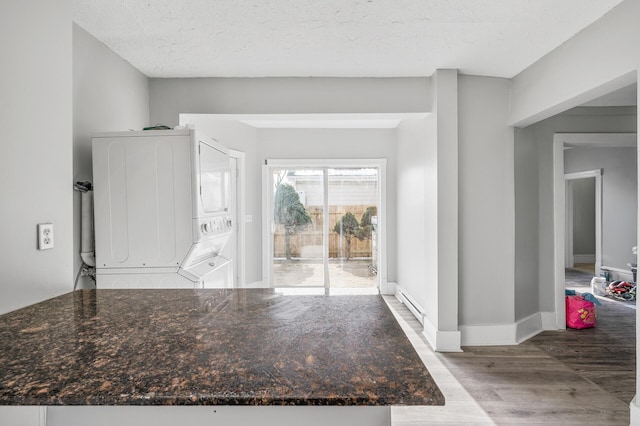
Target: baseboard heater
{"type": "Point", "coordinates": [411, 304]}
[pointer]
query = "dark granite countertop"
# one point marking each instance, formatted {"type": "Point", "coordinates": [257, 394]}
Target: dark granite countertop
{"type": "Point", "coordinates": [209, 347]}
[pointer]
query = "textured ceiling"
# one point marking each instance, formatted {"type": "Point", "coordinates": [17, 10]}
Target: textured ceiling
{"type": "Point", "coordinates": [345, 38]}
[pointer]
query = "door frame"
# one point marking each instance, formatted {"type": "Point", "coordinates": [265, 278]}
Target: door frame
{"type": "Point", "coordinates": [559, 202]}
{"type": "Point", "coordinates": [267, 208]}
{"type": "Point", "coordinates": [240, 183]}
{"type": "Point", "coordinates": [568, 177]}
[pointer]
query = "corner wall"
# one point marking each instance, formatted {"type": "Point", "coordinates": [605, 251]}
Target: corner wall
{"type": "Point", "coordinates": [456, 221]}
{"type": "Point", "coordinates": [527, 244]}
{"type": "Point", "coordinates": [35, 150]}
{"type": "Point", "coordinates": [108, 95]}
{"type": "Point", "coordinates": [445, 101]}
{"type": "Point", "coordinates": [486, 193]}
{"type": "Point", "coordinates": [428, 166]}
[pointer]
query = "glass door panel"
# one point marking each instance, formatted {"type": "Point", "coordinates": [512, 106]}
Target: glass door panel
{"type": "Point", "coordinates": [353, 206]}
{"type": "Point", "coordinates": [298, 222]}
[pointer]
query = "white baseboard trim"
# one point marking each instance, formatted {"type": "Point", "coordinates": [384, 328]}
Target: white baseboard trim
{"type": "Point", "coordinates": [584, 258]}
{"type": "Point", "coordinates": [388, 288]}
{"type": "Point", "coordinates": [620, 274]}
{"type": "Point", "coordinates": [548, 320]}
{"type": "Point", "coordinates": [508, 334]}
{"type": "Point", "coordinates": [528, 327]}
{"type": "Point", "coordinates": [430, 332]}
{"type": "Point", "coordinates": [488, 335]}
{"type": "Point", "coordinates": [634, 412]}
{"type": "Point", "coordinates": [443, 341]}
{"type": "Point", "coordinates": [439, 340]}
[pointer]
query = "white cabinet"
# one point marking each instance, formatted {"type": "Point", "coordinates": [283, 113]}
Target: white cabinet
{"type": "Point", "coordinates": [218, 416]}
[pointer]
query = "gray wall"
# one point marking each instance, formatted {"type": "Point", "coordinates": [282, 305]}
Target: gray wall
{"type": "Point", "coordinates": [527, 214]}
{"type": "Point", "coordinates": [428, 152]}
{"type": "Point", "coordinates": [417, 254]}
{"type": "Point", "coordinates": [35, 150]}
{"type": "Point", "coordinates": [486, 210]}
{"type": "Point", "coordinates": [534, 277]}
{"type": "Point", "coordinates": [173, 96]}
{"type": "Point", "coordinates": [583, 194]}
{"type": "Point", "coordinates": [619, 198]}
{"type": "Point", "coordinates": [108, 95]}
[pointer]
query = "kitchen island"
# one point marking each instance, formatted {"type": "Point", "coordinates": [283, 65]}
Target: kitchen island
{"type": "Point", "coordinates": [231, 355]}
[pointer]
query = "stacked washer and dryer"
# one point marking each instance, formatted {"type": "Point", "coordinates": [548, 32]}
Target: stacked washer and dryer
{"type": "Point", "coordinates": [161, 205]}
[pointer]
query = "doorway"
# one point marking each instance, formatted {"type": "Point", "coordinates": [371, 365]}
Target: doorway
{"type": "Point", "coordinates": [322, 225]}
{"type": "Point", "coordinates": [583, 243]}
{"type": "Point", "coordinates": [234, 249]}
{"type": "Point", "coordinates": [560, 142]}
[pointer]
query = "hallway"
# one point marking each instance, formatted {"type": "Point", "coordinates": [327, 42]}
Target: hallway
{"type": "Point", "coordinates": [571, 377]}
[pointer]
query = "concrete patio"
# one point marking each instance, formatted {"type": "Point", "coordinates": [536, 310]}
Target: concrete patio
{"type": "Point", "coordinates": [306, 272]}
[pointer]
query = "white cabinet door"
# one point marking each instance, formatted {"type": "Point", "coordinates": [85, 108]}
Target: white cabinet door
{"type": "Point", "coordinates": [23, 416]}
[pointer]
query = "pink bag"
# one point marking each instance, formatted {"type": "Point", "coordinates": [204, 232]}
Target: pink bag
{"type": "Point", "coordinates": [580, 313]}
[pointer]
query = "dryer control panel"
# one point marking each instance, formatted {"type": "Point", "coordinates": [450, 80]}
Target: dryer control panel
{"type": "Point", "coordinates": [215, 225]}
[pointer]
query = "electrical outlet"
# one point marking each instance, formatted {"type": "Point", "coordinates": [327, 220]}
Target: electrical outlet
{"type": "Point", "coordinates": [45, 236]}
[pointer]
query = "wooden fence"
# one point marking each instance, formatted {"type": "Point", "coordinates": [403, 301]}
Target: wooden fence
{"type": "Point", "coordinates": [308, 243]}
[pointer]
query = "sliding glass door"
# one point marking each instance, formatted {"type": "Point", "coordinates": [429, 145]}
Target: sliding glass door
{"type": "Point", "coordinates": [353, 206]}
{"type": "Point", "coordinates": [322, 225]}
{"type": "Point", "coordinates": [297, 224]}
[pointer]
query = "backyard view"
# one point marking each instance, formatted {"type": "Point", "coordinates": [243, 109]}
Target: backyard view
{"type": "Point", "coordinates": [342, 254]}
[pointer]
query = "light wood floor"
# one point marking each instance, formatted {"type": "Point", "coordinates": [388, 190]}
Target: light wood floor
{"type": "Point", "coordinates": [572, 377]}
{"type": "Point", "coordinates": [589, 268]}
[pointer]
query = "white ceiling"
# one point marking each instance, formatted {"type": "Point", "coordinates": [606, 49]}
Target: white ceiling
{"type": "Point", "coordinates": [345, 38]}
